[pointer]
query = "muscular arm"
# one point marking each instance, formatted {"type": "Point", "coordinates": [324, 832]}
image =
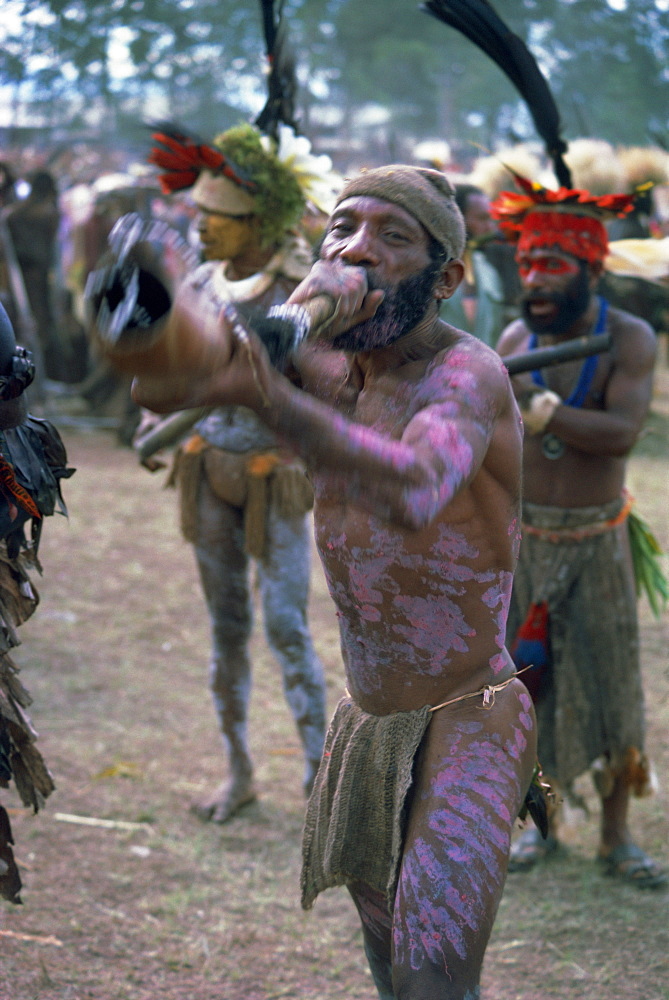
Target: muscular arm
{"type": "Point", "coordinates": [403, 452]}
{"type": "Point", "coordinates": [445, 423]}
{"type": "Point", "coordinates": [613, 430]}
{"type": "Point", "coordinates": [412, 479]}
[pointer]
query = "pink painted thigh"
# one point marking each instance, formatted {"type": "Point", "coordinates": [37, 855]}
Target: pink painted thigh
{"type": "Point", "coordinates": [472, 775]}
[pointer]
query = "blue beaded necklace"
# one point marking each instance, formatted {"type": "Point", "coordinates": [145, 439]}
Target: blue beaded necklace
{"type": "Point", "coordinates": [580, 391]}
{"type": "Point", "coordinates": [551, 445]}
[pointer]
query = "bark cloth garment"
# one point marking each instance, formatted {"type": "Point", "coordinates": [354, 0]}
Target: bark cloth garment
{"type": "Point", "coordinates": [355, 821]}
{"type": "Point", "coordinates": [575, 563]}
{"type": "Point", "coordinates": [253, 482]}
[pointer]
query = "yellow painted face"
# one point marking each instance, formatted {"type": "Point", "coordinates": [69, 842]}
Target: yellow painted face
{"type": "Point", "coordinates": [227, 237]}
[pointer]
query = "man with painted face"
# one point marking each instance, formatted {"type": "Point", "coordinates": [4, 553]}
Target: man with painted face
{"type": "Point", "coordinates": [244, 497]}
{"type": "Point", "coordinates": [573, 611]}
{"type": "Point", "coordinates": [412, 437]}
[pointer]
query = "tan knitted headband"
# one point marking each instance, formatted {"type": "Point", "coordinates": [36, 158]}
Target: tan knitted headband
{"type": "Point", "coordinates": [426, 194]}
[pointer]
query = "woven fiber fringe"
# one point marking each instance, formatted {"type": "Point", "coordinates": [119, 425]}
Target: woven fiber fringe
{"type": "Point", "coordinates": [186, 473]}
{"type": "Point", "coordinates": [18, 597]}
{"type": "Point", "coordinates": [255, 516]}
{"type": "Point", "coordinates": [251, 482]}
{"type": "Point", "coordinates": [355, 821]}
{"type": "Point", "coordinates": [292, 493]}
{"type": "Point", "coordinates": [18, 600]}
{"type": "Point", "coordinates": [592, 701]}
{"type": "Point", "coordinates": [271, 481]}
{"type": "Point", "coordinates": [286, 489]}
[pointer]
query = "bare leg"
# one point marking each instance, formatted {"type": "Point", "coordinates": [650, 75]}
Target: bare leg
{"type": "Point", "coordinates": [284, 580]}
{"type": "Point", "coordinates": [618, 853]}
{"type": "Point", "coordinates": [223, 568]}
{"type": "Point", "coordinates": [472, 775]}
{"type": "Point", "coordinates": [614, 829]}
{"type": "Point", "coordinates": [377, 936]}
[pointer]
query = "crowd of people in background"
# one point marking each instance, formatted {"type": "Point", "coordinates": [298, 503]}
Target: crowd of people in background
{"type": "Point", "coordinates": [52, 235]}
{"type": "Point", "coordinates": [56, 221]}
{"type": "Point", "coordinates": [406, 388]}
{"type": "Point", "coordinates": [56, 224]}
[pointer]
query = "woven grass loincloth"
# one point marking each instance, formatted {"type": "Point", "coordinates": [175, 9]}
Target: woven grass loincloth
{"type": "Point", "coordinates": [577, 561]}
{"type": "Point", "coordinates": [355, 821]}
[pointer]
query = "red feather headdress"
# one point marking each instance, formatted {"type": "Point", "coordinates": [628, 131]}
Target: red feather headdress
{"type": "Point", "coordinates": [182, 158]}
{"type": "Point", "coordinates": [569, 218]}
{"type": "Point", "coordinates": [511, 207]}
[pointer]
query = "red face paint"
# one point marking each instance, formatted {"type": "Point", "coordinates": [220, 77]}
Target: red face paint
{"type": "Point", "coordinates": [548, 264]}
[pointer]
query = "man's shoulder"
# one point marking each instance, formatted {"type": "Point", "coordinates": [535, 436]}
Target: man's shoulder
{"type": "Point", "coordinates": [460, 350]}
{"type": "Point", "coordinates": [633, 337]}
{"type": "Point", "coordinates": [512, 337]}
{"type": "Point", "coordinates": [622, 321]}
{"type": "Point", "coordinates": [447, 338]}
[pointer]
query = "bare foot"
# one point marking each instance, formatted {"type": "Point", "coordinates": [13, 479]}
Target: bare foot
{"type": "Point", "coordinates": [226, 802]}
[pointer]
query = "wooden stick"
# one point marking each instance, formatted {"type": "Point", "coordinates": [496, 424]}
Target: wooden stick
{"type": "Point", "coordinates": [107, 824]}
{"type": "Point", "coordinates": [169, 430]}
{"type": "Point", "coordinates": [37, 938]}
{"type": "Point", "coordinates": [544, 357]}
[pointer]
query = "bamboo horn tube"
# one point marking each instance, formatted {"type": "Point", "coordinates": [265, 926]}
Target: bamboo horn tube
{"type": "Point", "coordinates": [147, 321]}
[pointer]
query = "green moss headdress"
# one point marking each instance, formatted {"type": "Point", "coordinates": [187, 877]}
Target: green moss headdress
{"type": "Point", "coordinates": [247, 173]}
{"type": "Point", "coordinates": [279, 201]}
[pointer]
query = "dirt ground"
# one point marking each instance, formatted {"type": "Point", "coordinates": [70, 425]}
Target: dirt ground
{"type": "Point", "coordinates": [155, 903]}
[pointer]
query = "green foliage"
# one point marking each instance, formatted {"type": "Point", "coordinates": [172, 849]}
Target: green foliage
{"type": "Point", "coordinates": [279, 198]}
{"type": "Point", "coordinates": [648, 573]}
{"type": "Point", "coordinates": [607, 67]}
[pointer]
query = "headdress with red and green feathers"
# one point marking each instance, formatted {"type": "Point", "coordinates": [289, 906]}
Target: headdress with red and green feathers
{"type": "Point", "coordinates": [270, 165]}
{"type": "Point", "coordinates": [568, 218]}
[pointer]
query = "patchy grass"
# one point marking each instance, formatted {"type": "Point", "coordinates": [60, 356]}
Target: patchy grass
{"type": "Point", "coordinates": [115, 659]}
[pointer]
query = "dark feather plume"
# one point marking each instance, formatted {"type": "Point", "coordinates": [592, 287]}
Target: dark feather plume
{"type": "Point", "coordinates": [478, 21]}
{"type": "Point", "coordinates": [281, 79]}
{"type": "Point", "coordinates": [539, 802]}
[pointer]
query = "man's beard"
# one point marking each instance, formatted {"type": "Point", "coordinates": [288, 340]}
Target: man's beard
{"type": "Point", "coordinates": [570, 305]}
{"type": "Point", "coordinates": [401, 310]}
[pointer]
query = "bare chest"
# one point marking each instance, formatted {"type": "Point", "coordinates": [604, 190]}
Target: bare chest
{"type": "Point", "coordinates": [579, 383]}
{"type": "Point", "coordinates": [386, 405]}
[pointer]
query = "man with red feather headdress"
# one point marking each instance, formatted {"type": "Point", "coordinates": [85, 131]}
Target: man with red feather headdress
{"type": "Point", "coordinates": [244, 498]}
{"type": "Point", "coordinates": [573, 612]}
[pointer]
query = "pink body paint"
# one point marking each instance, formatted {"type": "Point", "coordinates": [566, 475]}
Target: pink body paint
{"type": "Point", "coordinates": [424, 503]}
{"type": "Point", "coordinates": [417, 627]}
{"type": "Point", "coordinates": [373, 910]}
{"type": "Point", "coordinates": [449, 877]}
{"type": "Point", "coordinates": [498, 599]}
{"type": "Point", "coordinates": [447, 401]}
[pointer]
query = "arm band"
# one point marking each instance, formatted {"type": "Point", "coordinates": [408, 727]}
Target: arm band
{"type": "Point", "coordinates": [539, 413]}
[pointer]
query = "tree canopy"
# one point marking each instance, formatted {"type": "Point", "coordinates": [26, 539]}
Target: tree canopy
{"type": "Point", "coordinates": [119, 63]}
